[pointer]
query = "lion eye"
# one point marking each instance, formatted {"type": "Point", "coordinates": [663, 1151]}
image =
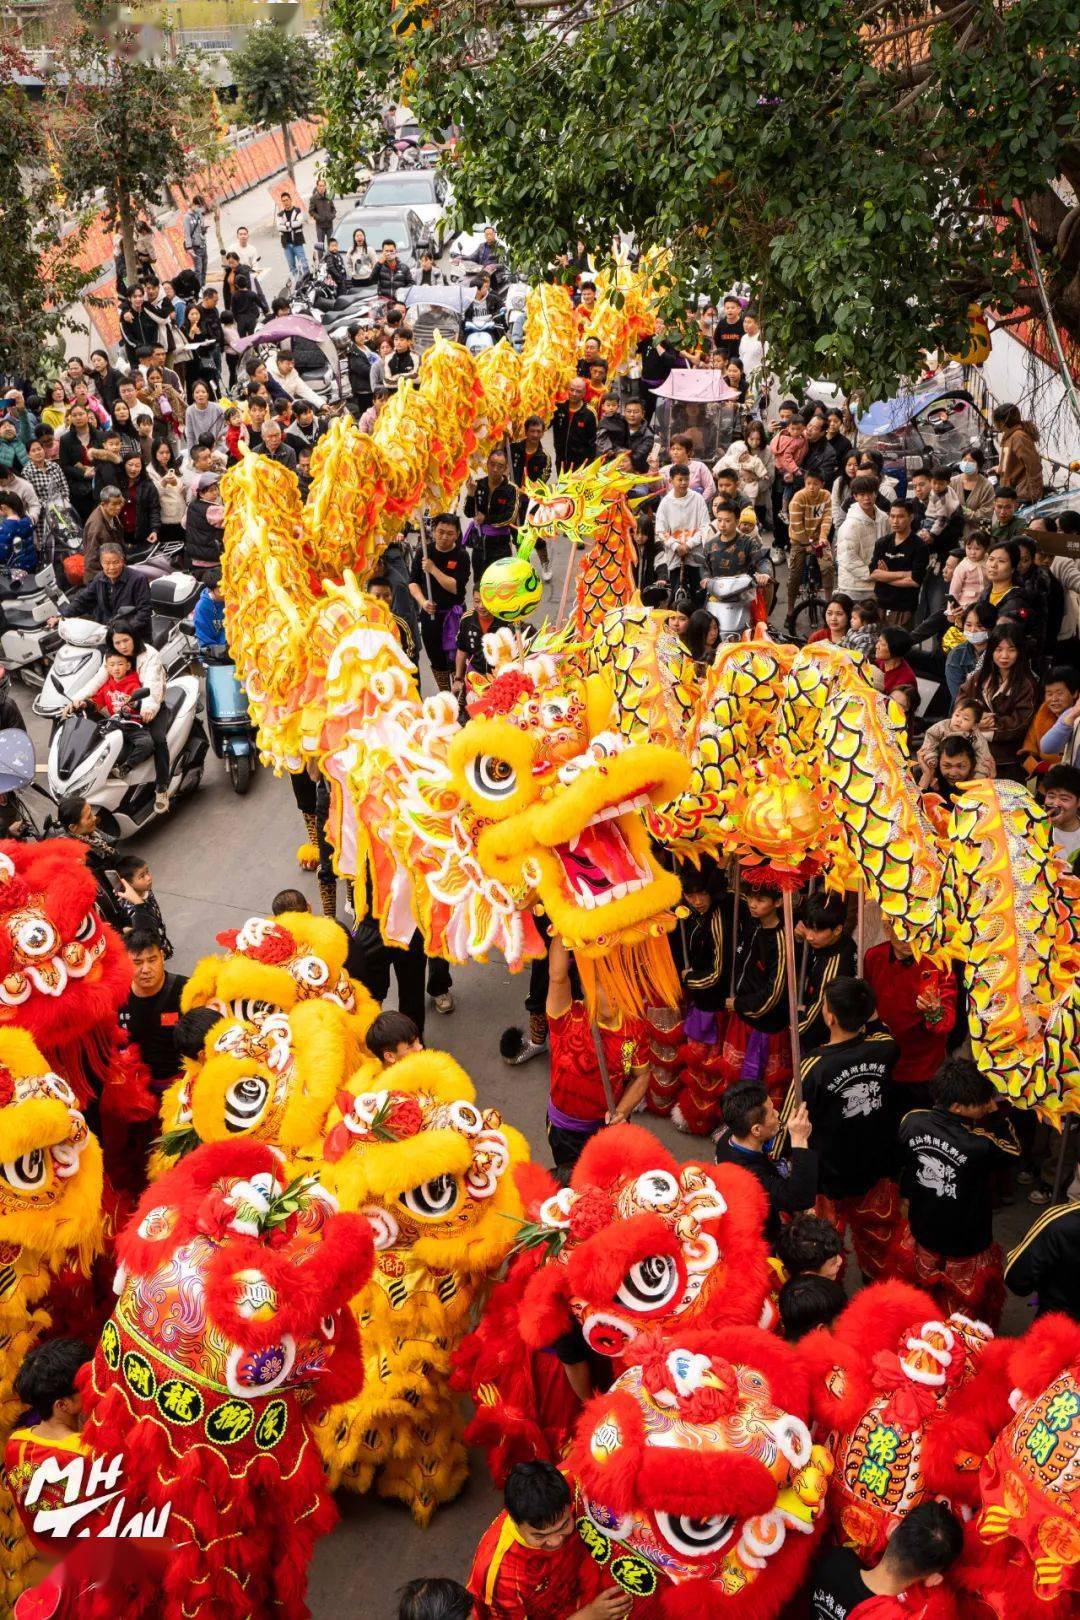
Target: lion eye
{"type": "Point", "coordinates": [27, 1172]}
{"type": "Point", "coordinates": [492, 777]}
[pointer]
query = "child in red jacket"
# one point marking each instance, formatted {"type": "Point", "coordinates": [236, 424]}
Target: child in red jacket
{"type": "Point", "coordinates": [113, 696]}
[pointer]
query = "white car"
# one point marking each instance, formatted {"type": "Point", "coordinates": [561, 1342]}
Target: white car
{"type": "Point", "coordinates": [424, 192]}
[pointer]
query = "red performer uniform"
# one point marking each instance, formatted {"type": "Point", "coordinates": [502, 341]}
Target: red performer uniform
{"type": "Point", "coordinates": [947, 1169]}
{"type": "Point", "coordinates": [846, 1089]}
{"type": "Point", "coordinates": [577, 1104]}
{"type": "Point", "coordinates": [23, 1456]}
{"type": "Point", "coordinates": [511, 1581]}
{"type": "Point", "coordinates": [757, 1043]}
{"type": "Point", "coordinates": [897, 983]}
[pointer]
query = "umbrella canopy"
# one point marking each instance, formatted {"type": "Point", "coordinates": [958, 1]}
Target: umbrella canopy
{"type": "Point", "coordinates": [17, 763]}
{"type": "Point", "coordinates": [697, 387]}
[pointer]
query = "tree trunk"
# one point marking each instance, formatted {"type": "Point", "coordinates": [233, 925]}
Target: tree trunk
{"type": "Point", "coordinates": [287, 143]}
{"type": "Point", "coordinates": [127, 232]}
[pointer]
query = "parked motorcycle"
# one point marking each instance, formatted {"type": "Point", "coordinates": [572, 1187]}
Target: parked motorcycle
{"type": "Point", "coordinates": [109, 760]}
{"type": "Point", "coordinates": [79, 661]}
{"type": "Point", "coordinates": [729, 601]}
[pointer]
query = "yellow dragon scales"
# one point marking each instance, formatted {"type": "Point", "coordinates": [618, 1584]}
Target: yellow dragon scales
{"type": "Point", "coordinates": [600, 736]}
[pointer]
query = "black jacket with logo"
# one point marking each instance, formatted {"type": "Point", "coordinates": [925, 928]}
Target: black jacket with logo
{"type": "Point", "coordinates": [846, 1089]}
{"type": "Point", "coordinates": [822, 967]}
{"type": "Point", "coordinates": [947, 1169]}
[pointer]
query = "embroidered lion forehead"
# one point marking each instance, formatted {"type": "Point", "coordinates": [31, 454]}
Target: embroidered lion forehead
{"type": "Point", "coordinates": [281, 960]}
{"type": "Point", "coordinates": [413, 1125]}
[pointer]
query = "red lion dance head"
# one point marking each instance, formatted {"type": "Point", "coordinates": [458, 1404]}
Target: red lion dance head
{"type": "Point", "coordinates": [64, 974]}
{"type": "Point", "coordinates": [702, 1491]}
{"type": "Point", "coordinates": [1024, 1558]}
{"type": "Point", "coordinates": [896, 1386]}
{"type": "Point", "coordinates": [231, 1317]}
{"type": "Point", "coordinates": [647, 1244]}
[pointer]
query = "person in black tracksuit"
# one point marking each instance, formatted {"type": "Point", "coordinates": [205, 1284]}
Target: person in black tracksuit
{"type": "Point", "coordinates": [1046, 1262]}
{"type": "Point", "coordinates": [706, 938]}
{"type": "Point", "coordinates": [950, 1154]}
{"type": "Point", "coordinates": [751, 1124]}
{"type": "Point", "coordinates": [493, 503]}
{"type": "Point", "coordinates": [439, 584]}
{"type": "Point", "coordinates": [846, 1087]}
{"type": "Point", "coordinates": [831, 954]}
{"type": "Point", "coordinates": [573, 429]}
{"type": "Point", "coordinates": [757, 1042]}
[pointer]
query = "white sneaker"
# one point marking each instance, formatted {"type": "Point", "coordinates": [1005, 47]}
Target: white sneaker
{"type": "Point", "coordinates": [543, 569]}
{"type": "Point", "coordinates": [161, 803]}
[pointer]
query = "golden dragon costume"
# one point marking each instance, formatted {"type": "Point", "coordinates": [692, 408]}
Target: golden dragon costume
{"type": "Point", "coordinates": [596, 739]}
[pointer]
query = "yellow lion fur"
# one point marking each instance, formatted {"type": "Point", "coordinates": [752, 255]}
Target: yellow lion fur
{"type": "Point", "coordinates": [404, 1431]}
{"type": "Point", "coordinates": [55, 1226]}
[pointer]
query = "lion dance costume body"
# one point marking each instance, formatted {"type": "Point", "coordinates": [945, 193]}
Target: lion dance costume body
{"type": "Point", "coordinates": [232, 1318]}
{"type": "Point", "coordinates": [407, 1146]}
{"type": "Point", "coordinates": [50, 1235]}
{"type": "Point", "coordinates": [636, 1244]}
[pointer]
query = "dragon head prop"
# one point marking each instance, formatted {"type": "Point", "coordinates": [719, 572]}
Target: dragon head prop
{"type": "Point", "coordinates": [50, 1165]}
{"type": "Point", "coordinates": [589, 507]}
{"type": "Point", "coordinates": [702, 1491]}
{"type": "Point", "coordinates": [64, 974]}
{"type": "Point", "coordinates": [892, 1383]}
{"type": "Point", "coordinates": [641, 1244]}
{"type": "Point", "coordinates": [409, 1147]}
{"type": "Point", "coordinates": [558, 802]}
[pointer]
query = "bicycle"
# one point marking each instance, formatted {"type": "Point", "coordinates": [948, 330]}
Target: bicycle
{"type": "Point", "coordinates": [808, 613]}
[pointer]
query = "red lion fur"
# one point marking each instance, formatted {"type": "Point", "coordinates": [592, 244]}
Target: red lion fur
{"type": "Point", "coordinates": [77, 1029]}
{"type": "Point", "coordinates": [596, 1264]}
{"type": "Point", "coordinates": [243, 1523]}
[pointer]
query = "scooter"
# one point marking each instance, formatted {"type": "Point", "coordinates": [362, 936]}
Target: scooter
{"type": "Point", "coordinates": [85, 758]}
{"type": "Point", "coordinates": [23, 630]}
{"type": "Point", "coordinates": [79, 661]}
{"type": "Point", "coordinates": [729, 602]}
{"type": "Point", "coordinates": [232, 735]}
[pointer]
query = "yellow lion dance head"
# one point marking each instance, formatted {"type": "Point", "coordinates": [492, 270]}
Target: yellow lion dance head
{"type": "Point", "coordinates": [411, 1149]}
{"type": "Point", "coordinates": [50, 1164]}
{"type": "Point", "coordinates": [290, 1031]}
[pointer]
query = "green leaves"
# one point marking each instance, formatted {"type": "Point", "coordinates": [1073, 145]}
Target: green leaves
{"type": "Point", "coordinates": [275, 75]}
{"type": "Point", "coordinates": [175, 1143]}
{"type": "Point", "coordinates": [764, 145]}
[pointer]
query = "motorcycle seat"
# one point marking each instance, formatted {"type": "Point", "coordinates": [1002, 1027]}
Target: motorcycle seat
{"type": "Point", "coordinates": [172, 704]}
